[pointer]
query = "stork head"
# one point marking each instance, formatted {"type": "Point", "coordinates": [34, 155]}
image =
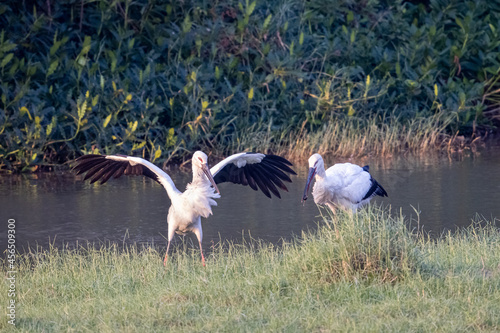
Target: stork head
{"type": "Point", "coordinates": [315, 163]}
{"type": "Point", "coordinates": [200, 163]}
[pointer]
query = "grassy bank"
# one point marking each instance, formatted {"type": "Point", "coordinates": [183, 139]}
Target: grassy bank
{"type": "Point", "coordinates": [356, 273]}
{"type": "Point", "coordinates": [161, 80]}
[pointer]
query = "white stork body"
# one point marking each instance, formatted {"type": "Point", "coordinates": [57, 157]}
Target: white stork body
{"type": "Point", "coordinates": [256, 170]}
{"type": "Point", "coordinates": [343, 185]}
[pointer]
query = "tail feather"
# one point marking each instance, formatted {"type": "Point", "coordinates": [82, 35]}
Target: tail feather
{"type": "Point", "coordinates": [380, 191]}
{"type": "Point", "coordinates": [375, 189]}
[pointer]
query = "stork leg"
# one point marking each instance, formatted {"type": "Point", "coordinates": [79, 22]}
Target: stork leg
{"type": "Point", "coordinates": [202, 256]}
{"type": "Point", "coordinates": [171, 233]}
{"type": "Point", "coordinates": [166, 254]}
{"type": "Point", "coordinates": [199, 235]}
{"type": "Point", "coordinates": [332, 208]}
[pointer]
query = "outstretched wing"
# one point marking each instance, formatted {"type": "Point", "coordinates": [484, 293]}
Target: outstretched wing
{"type": "Point", "coordinates": [256, 170]}
{"type": "Point", "coordinates": [103, 167]}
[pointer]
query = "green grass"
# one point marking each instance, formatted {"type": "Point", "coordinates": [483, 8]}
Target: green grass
{"type": "Point", "coordinates": [365, 272]}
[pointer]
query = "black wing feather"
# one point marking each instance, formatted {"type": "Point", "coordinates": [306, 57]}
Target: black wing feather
{"type": "Point", "coordinates": [277, 163]}
{"type": "Point", "coordinates": [250, 180]}
{"type": "Point", "coordinates": [100, 173]}
{"type": "Point", "coordinates": [266, 179]}
{"type": "Point", "coordinates": [272, 180]}
{"type": "Point", "coordinates": [98, 167]}
{"type": "Point", "coordinates": [268, 175]}
{"type": "Point", "coordinates": [278, 173]}
{"type": "Point", "coordinates": [252, 170]}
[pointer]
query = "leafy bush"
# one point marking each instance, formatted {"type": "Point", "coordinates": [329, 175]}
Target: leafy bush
{"type": "Point", "coordinates": [160, 80]}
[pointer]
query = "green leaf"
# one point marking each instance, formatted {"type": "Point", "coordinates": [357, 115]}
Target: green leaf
{"type": "Point", "coordinates": [14, 68]}
{"type": "Point", "coordinates": [186, 24]}
{"type": "Point", "coordinates": [217, 72]}
{"type": "Point", "coordinates": [23, 110]}
{"type": "Point", "coordinates": [137, 146]}
{"type": "Point", "coordinates": [51, 126]}
{"type": "Point", "coordinates": [134, 126]}
{"type": "Point", "coordinates": [48, 130]}
{"type": "Point", "coordinates": [461, 96]}
{"type": "Point", "coordinates": [204, 105]}
{"type": "Point", "coordinates": [86, 44]}
{"type": "Point", "coordinates": [267, 21]}
{"type": "Point", "coordinates": [350, 16]}
{"type": "Point", "coordinates": [53, 49]}
{"type": "Point", "coordinates": [131, 43]}
{"type": "Point", "coordinates": [432, 30]}
{"type": "Point", "coordinates": [250, 94]}
{"type": "Point", "coordinates": [157, 153]}
{"type": "Point", "coordinates": [107, 120]}
{"type": "Point", "coordinates": [7, 59]}
{"type": "Point", "coordinates": [251, 8]}
{"type": "Point", "coordinates": [266, 48]}
{"type": "Point", "coordinates": [81, 110]}
{"type": "Point", "coordinates": [492, 27]}
{"type": "Point", "coordinates": [95, 100]}
{"type": "Point", "coordinates": [52, 68]}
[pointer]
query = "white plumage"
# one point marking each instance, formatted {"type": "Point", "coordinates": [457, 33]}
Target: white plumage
{"type": "Point", "coordinates": [265, 172]}
{"type": "Point", "coordinates": [343, 185]}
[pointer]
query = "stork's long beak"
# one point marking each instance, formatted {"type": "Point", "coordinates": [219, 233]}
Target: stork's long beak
{"type": "Point", "coordinates": [207, 172]}
{"type": "Point", "coordinates": [312, 172]}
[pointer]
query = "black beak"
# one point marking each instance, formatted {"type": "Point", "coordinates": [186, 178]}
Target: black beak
{"type": "Point", "coordinates": [312, 172]}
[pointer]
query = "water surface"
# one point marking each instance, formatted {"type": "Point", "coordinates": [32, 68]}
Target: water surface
{"type": "Point", "coordinates": [60, 208]}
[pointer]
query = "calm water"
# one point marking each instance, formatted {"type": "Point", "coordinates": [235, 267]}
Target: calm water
{"type": "Point", "coordinates": [60, 208]}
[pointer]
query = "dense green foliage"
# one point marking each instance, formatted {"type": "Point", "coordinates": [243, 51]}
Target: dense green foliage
{"type": "Point", "coordinates": [357, 273]}
{"type": "Point", "coordinates": [160, 79]}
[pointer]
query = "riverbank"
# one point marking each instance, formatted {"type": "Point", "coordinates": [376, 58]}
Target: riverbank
{"type": "Point", "coordinates": [343, 138]}
{"type": "Point", "coordinates": [365, 272]}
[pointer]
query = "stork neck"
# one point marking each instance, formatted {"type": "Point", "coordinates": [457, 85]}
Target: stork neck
{"type": "Point", "coordinates": [199, 177]}
{"type": "Point", "coordinates": [320, 172]}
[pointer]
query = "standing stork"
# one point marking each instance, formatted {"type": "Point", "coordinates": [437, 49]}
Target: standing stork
{"type": "Point", "coordinates": [266, 172]}
{"type": "Point", "coordinates": [344, 184]}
